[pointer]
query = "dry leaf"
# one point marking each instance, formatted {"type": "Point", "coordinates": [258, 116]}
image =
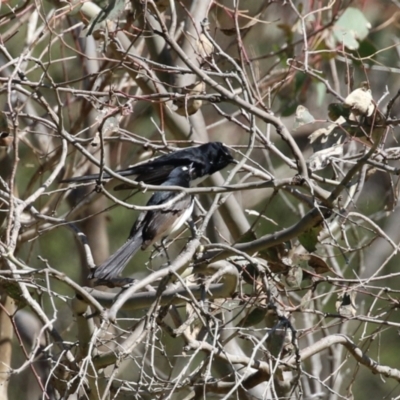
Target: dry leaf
{"type": "Point", "coordinates": [187, 105]}
{"type": "Point", "coordinates": [294, 277]}
{"type": "Point", "coordinates": [204, 47]}
{"type": "Point", "coordinates": [305, 302]}
{"type": "Point", "coordinates": [360, 102]}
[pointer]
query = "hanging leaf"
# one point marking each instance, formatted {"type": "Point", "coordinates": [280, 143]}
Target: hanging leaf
{"type": "Point", "coordinates": [338, 110]}
{"type": "Point", "coordinates": [311, 260]}
{"type": "Point", "coordinates": [351, 28]}
{"type": "Point", "coordinates": [330, 135]}
{"type": "Point", "coordinates": [248, 236]}
{"type": "Point", "coordinates": [309, 238]}
{"type": "Point", "coordinates": [322, 158]}
{"type": "Point", "coordinates": [276, 257]}
{"type": "Point", "coordinates": [360, 102]}
{"type": "Point", "coordinates": [306, 300]}
{"type": "Point", "coordinates": [204, 47]}
{"type": "Point", "coordinates": [189, 105]}
{"type": "Point", "coordinates": [362, 119]}
{"type": "Point", "coordinates": [303, 116]}
{"type": "Point", "coordinates": [318, 264]}
{"type": "Point", "coordinates": [294, 277]}
{"type": "Point", "coordinates": [253, 318]}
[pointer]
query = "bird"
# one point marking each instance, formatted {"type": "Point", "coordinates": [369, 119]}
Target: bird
{"type": "Point", "coordinates": [204, 160]}
{"type": "Point", "coordinates": [151, 226]}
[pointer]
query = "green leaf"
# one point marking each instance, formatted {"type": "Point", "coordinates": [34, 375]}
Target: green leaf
{"type": "Point", "coordinates": [309, 238]}
{"type": "Point", "coordinates": [351, 28]}
{"type": "Point", "coordinates": [337, 110]}
{"type": "Point", "coordinates": [287, 31]}
{"type": "Point", "coordinates": [254, 318]}
{"type": "Point", "coordinates": [303, 117]}
{"type": "Point", "coordinates": [288, 108]}
{"type": "Point", "coordinates": [299, 82]}
{"type": "Point", "coordinates": [321, 93]}
{"type": "Point", "coordinates": [366, 49]}
{"type": "Point", "coordinates": [248, 236]}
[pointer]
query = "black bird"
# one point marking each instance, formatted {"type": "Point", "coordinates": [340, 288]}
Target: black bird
{"type": "Point", "coordinates": [151, 226]}
{"type": "Point", "coordinates": [204, 159]}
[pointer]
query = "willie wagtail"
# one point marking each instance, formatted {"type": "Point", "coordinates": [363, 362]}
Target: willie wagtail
{"type": "Point", "coordinates": [204, 160]}
{"type": "Point", "coordinates": [151, 226]}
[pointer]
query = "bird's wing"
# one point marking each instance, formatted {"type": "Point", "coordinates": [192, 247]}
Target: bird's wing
{"type": "Point", "coordinates": [151, 176]}
{"type": "Point", "coordinates": [156, 171]}
{"type": "Point", "coordinates": [160, 223]}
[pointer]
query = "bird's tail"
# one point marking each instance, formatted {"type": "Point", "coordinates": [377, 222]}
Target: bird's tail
{"type": "Point", "coordinates": [93, 177]}
{"type": "Point", "coordinates": [115, 264]}
{"type": "Point", "coordinates": [85, 178]}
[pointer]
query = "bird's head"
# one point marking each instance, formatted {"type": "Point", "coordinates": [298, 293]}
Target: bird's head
{"type": "Point", "coordinates": [221, 157]}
